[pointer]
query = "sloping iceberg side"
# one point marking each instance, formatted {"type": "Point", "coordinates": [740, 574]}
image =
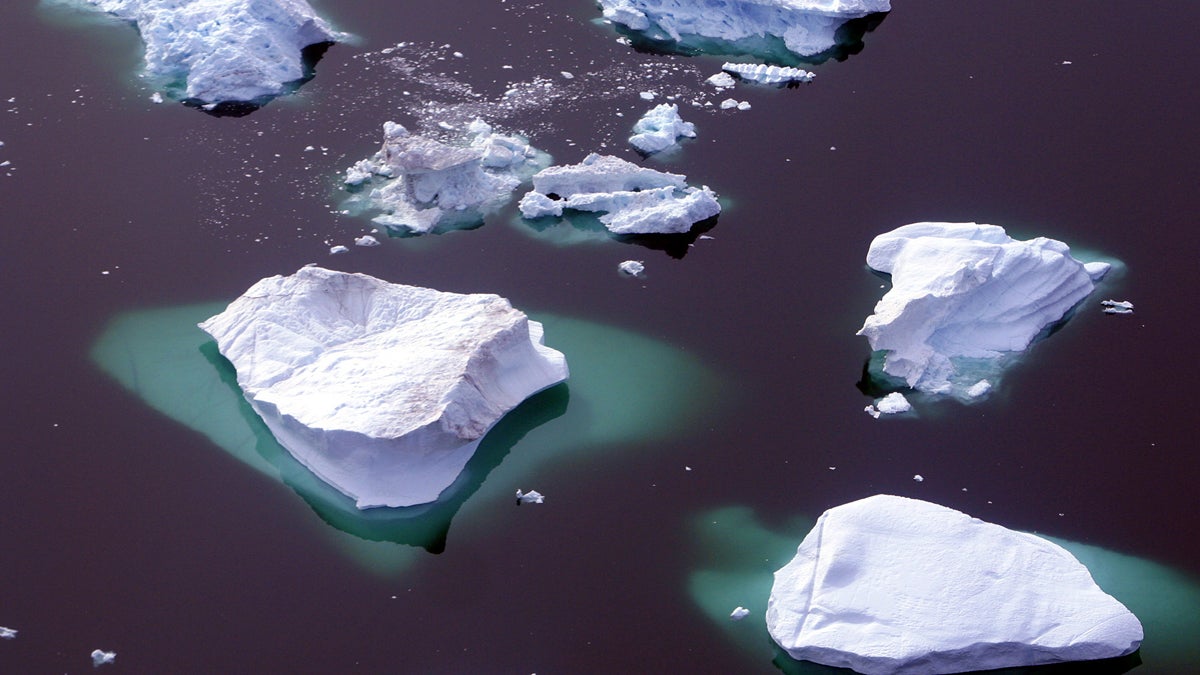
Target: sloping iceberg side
{"type": "Point", "coordinates": [634, 199]}
{"type": "Point", "coordinates": [895, 585]}
{"type": "Point", "coordinates": [381, 390]}
{"type": "Point", "coordinates": [963, 291]}
{"type": "Point", "coordinates": [806, 27]}
{"type": "Point", "coordinates": [224, 51]}
{"type": "Point", "coordinates": [422, 185]}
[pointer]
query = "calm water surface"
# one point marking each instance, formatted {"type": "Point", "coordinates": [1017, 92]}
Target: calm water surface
{"type": "Point", "coordinates": [126, 529]}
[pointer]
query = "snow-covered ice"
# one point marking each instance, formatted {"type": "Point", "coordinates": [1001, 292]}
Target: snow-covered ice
{"type": "Point", "coordinates": [334, 250]}
{"type": "Point", "coordinates": [1117, 306]}
{"type": "Point", "coordinates": [531, 497]}
{"type": "Point", "coordinates": [632, 268]}
{"type": "Point", "coordinates": [900, 586]}
{"type": "Point", "coordinates": [8, 633]}
{"type": "Point", "coordinates": [421, 184]}
{"type": "Point", "coordinates": [101, 657]}
{"type": "Point", "coordinates": [217, 51]}
{"type": "Point", "coordinates": [739, 613]}
{"type": "Point", "coordinates": [634, 199]}
{"type": "Point", "coordinates": [964, 296]}
{"type": "Point", "coordinates": [722, 80]}
{"type": "Point", "coordinates": [806, 27]}
{"type": "Point", "coordinates": [765, 74]}
{"type": "Point", "coordinates": [366, 240]}
{"type": "Point", "coordinates": [892, 404]}
{"type": "Point", "coordinates": [659, 128]}
{"type": "Point", "coordinates": [382, 390]}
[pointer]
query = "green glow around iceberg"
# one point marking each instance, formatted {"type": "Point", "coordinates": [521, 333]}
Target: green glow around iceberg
{"type": "Point", "coordinates": [740, 555]}
{"type": "Point", "coordinates": [623, 388]}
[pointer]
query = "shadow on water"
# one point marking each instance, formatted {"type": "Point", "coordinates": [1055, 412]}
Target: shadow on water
{"type": "Point", "coordinates": [309, 56]}
{"type": "Point", "coordinates": [423, 525]}
{"type": "Point", "coordinates": [579, 227]}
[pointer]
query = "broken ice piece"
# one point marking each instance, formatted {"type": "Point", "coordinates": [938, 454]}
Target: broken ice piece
{"type": "Point", "coordinates": [100, 658]}
{"type": "Point", "coordinates": [8, 633]}
{"type": "Point", "coordinates": [979, 389]}
{"type": "Point", "coordinates": [919, 478]}
{"type": "Point", "coordinates": [338, 249]}
{"type": "Point", "coordinates": [156, 97]}
{"type": "Point", "coordinates": [366, 240]}
{"type": "Point", "coordinates": [891, 404]}
{"type": "Point", "coordinates": [722, 80]}
{"type": "Point", "coordinates": [739, 613]}
{"type": "Point", "coordinates": [531, 497]}
{"type": "Point", "coordinates": [1117, 306]}
{"type": "Point", "coordinates": [632, 267]}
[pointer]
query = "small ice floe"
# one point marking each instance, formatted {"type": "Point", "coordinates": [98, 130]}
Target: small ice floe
{"type": "Point", "coordinates": [366, 240]}
{"type": "Point", "coordinates": [8, 633]}
{"type": "Point", "coordinates": [531, 497]}
{"type": "Point", "coordinates": [1066, 63]}
{"type": "Point", "coordinates": [632, 268]}
{"type": "Point", "coordinates": [722, 80]}
{"type": "Point", "coordinates": [100, 657]}
{"type": "Point", "coordinates": [648, 95]}
{"type": "Point", "coordinates": [919, 478]}
{"type": "Point", "coordinates": [567, 75]}
{"type": "Point", "coordinates": [156, 97]}
{"type": "Point", "coordinates": [739, 613]}
{"type": "Point", "coordinates": [891, 404]}
{"type": "Point", "coordinates": [1117, 306]}
{"type": "Point", "coordinates": [729, 103]}
{"type": "Point", "coordinates": [334, 250]}
{"type": "Point", "coordinates": [764, 74]}
{"type": "Point", "coordinates": [979, 389]}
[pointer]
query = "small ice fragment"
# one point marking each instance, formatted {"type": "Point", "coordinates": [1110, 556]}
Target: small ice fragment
{"type": "Point", "coordinates": [739, 613]}
{"type": "Point", "coordinates": [647, 95]}
{"type": "Point", "coordinates": [1117, 306]}
{"type": "Point", "coordinates": [100, 658]}
{"type": "Point", "coordinates": [156, 97]}
{"type": "Point", "coordinates": [309, 148]}
{"type": "Point", "coordinates": [687, 468]}
{"type": "Point", "coordinates": [338, 249]}
{"type": "Point", "coordinates": [458, 55]}
{"type": "Point", "coordinates": [531, 497]}
{"type": "Point", "coordinates": [632, 267]}
{"type": "Point", "coordinates": [366, 240]}
{"type": "Point", "coordinates": [446, 125]}
{"type": "Point", "coordinates": [567, 75]}
{"type": "Point", "coordinates": [1066, 63]}
{"type": "Point", "coordinates": [893, 403]}
{"type": "Point", "coordinates": [744, 105]}
{"type": "Point", "coordinates": [979, 389]}
{"type": "Point", "coordinates": [919, 478]}
{"type": "Point", "coordinates": [722, 80]}
{"type": "Point", "coordinates": [8, 633]}
{"type": "Point", "coordinates": [729, 103]}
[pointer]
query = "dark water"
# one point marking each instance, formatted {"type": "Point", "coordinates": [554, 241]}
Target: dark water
{"type": "Point", "coordinates": [127, 529]}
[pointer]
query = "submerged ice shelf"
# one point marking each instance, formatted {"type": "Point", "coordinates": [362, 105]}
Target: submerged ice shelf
{"type": "Point", "coordinates": [223, 51]}
{"type": "Point", "coordinates": [963, 297]}
{"type": "Point", "coordinates": [382, 390]}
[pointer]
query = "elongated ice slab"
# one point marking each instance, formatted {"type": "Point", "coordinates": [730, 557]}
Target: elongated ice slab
{"type": "Point", "coordinates": [217, 51]}
{"type": "Point", "coordinates": [381, 390]}
{"type": "Point", "coordinates": [764, 74]}
{"type": "Point", "coordinates": [891, 585]}
{"type": "Point", "coordinates": [633, 199]}
{"type": "Point", "coordinates": [965, 295]}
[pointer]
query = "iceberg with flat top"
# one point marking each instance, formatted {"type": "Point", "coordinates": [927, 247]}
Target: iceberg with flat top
{"type": "Point", "coordinates": [421, 184]}
{"type": "Point", "coordinates": [806, 28]}
{"type": "Point", "coordinates": [381, 390]}
{"type": "Point", "coordinates": [634, 199]}
{"type": "Point", "coordinates": [224, 51]}
{"type": "Point", "coordinates": [964, 297]}
{"type": "Point", "coordinates": [898, 586]}
{"type": "Point", "coordinates": [659, 129]}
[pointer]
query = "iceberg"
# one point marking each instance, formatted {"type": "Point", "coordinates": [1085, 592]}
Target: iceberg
{"type": "Point", "coordinates": [212, 52]}
{"type": "Point", "coordinates": [894, 585]}
{"type": "Point", "coordinates": [632, 268]}
{"type": "Point", "coordinates": [381, 390]}
{"type": "Point", "coordinates": [806, 28]}
{"type": "Point", "coordinates": [659, 128]}
{"type": "Point", "coordinates": [421, 184]}
{"type": "Point", "coordinates": [965, 296]}
{"type": "Point", "coordinates": [764, 74]}
{"type": "Point", "coordinates": [633, 199]}
{"type": "Point", "coordinates": [892, 404]}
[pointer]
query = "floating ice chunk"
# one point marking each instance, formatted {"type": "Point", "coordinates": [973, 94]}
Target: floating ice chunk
{"type": "Point", "coordinates": [334, 250]}
{"type": "Point", "coordinates": [647, 95]}
{"type": "Point", "coordinates": [223, 50]}
{"type": "Point", "coordinates": [156, 97]}
{"type": "Point", "coordinates": [722, 80]}
{"type": "Point", "coordinates": [729, 103]}
{"type": "Point", "coordinates": [658, 129]}
{"type": "Point", "coordinates": [739, 613]}
{"type": "Point", "coordinates": [901, 586]}
{"type": "Point", "coordinates": [420, 183]}
{"type": "Point", "coordinates": [892, 404]}
{"type": "Point", "coordinates": [634, 199]}
{"type": "Point", "coordinates": [764, 74]}
{"type": "Point", "coordinates": [99, 657]}
{"type": "Point", "coordinates": [964, 296]}
{"type": "Point", "coordinates": [531, 497]}
{"type": "Point", "coordinates": [381, 390]}
{"type": "Point", "coordinates": [979, 389]}
{"type": "Point", "coordinates": [366, 240]}
{"type": "Point", "coordinates": [8, 633]}
{"type": "Point", "coordinates": [919, 478]}
{"type": "Point", "coordinates": [632, 268]}
{"type": "Point", "coordinates": [567, 75]}
{"type": "Point", "coordinates": [806, 27]}
{"type": "Point", "coordinates": [1117, 306]}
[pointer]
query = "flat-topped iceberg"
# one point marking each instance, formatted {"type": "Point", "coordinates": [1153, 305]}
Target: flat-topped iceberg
{"type": "Point", "coordinates": [659, 128]}
{"type": "Point", "coordinates": [381, 390]}
{"type": "Point", "coordinates": [895, 585]}
{"type": "Point", "coordinates": [224, 51]}
{"type": "Point", "coordinates": [421, 184]}
{"type": "Point", "coordinates": [634, 199]}
{"type": "Point", "coordinates": [805, 27]}
{"type": "Point", "coordinates": [963, 297]}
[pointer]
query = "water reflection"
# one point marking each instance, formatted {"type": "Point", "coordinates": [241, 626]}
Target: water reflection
{"type": "Point", "coordinates": [738, 556]}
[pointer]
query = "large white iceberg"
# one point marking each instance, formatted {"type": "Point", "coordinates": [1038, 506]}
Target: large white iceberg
{"type": "Point", "coordinates": [381, 390]}
{"type": "Point", "coordinates": [634, 199]}
{"type": "Point", "coordinates": [965, 295]}
{"type": "Point", "coordinates": [218, 51]}
{"type": "Point", "coordinates": [421, 184]}
{"type": "Point", "coordinates": [806, 27]}
{"type": "Point", "coordinates": [659, 128]}
{"type": "Point", "coordinates": [895, 585]}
